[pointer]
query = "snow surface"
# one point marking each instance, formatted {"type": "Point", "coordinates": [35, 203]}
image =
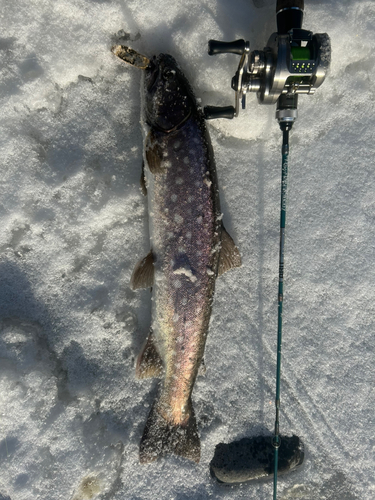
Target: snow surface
{"type": "Point", "coordinates": [74, 222]}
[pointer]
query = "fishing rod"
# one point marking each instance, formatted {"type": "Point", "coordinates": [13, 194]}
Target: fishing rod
{"type": "Point", "coordinates": [295, 61]}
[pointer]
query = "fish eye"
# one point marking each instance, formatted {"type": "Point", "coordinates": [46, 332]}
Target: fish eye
{"type": "Point", "coordinates": [169, 74]}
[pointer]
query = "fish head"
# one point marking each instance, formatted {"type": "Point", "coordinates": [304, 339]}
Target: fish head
{"type": "Point", "coordinates": [169, 99]}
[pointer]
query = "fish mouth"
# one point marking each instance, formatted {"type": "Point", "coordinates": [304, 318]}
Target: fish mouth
{"type": "Point", "coordinates": [154, 69]}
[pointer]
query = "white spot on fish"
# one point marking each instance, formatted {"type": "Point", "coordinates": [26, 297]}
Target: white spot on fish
{"type": "Point", "coordinates": [170, 234]}
{"type": "Point", "coordinates": [184, 301]}
{"type": "Point", "coordinates": [177, 283]}
{"type": "Point", "coordinates": [186, 160]}
{"type": "Point", "coordinates": [197, 184]}
{"type": "Point", "coordinates": [210, 272]}
{"type": "Point", "coordinates": [177, 144]}
{"type": "Point", "coordinates": [178, 219]}
{"type": "Point", "coordinates": [175, 318]}
{"type": "Point", "coordinates": [174, 197]}
{"type": "Point", "coordinates": [190, 199]}
{"type": "Point", "coordinates": [199, 219]}
{"type": "Point", "coordinates": [179, 180]}
{"type": "Point", "coordinates": [186, 272]}
{"type": "Point", "coordinates": [219, 217]}
{"type": "Point", "coordinates": [188, 235]}
{"type": "Point", "coordinates": [207, 182]}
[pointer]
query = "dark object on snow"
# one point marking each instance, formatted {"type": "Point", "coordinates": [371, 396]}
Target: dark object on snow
{"type": "Point", "coordinates": [253, 458]}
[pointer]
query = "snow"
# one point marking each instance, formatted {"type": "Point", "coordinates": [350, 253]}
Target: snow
{"type": "Point", "coordinates": [74, 223]}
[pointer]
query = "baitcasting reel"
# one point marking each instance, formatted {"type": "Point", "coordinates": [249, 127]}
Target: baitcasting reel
{"type": "Point", "coordinates": [294, 62]}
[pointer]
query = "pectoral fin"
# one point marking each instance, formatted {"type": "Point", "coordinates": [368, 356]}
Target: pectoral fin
{"type": "Point", "coordinates": [229, 254]}
{"type": "Point", "coordinates": [154, 155]}
{"type": "Point", "coordinates": [143, 274]}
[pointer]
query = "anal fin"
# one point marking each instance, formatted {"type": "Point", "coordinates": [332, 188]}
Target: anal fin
{"type": "Point", "coordinates": [149, 363]}
{"type": "Point", "coordinates": [143, 274]}
{"type": "Point", "coordinates": [229, 254]}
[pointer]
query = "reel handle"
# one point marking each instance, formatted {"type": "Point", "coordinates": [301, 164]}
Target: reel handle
{"type": "Point", "coordinates": [216, 47]}
{"type": "Point", "coordinates": [238, 47]}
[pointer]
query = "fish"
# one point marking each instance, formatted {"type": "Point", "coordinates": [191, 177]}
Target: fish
{"type": "Point", "coordinates": [189, 249]}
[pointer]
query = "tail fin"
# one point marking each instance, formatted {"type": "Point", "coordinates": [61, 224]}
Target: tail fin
{"type": "Point", "coordinates": [161, 437]}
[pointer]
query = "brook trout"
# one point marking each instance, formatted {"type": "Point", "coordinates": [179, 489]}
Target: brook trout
{"type": "Point", "coordinates": [189, 249]}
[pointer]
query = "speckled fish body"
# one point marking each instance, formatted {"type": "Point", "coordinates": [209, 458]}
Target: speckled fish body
{"type": "Point", "coordinates": [185, 227]}
{"type": "Point", "coordinates": [186, 250]}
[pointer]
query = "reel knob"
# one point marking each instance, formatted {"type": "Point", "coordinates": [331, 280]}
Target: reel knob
{"type": "Point", "coordinates": [216, 47]}
{"type": "Point", "coordinates": [212, 112]}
